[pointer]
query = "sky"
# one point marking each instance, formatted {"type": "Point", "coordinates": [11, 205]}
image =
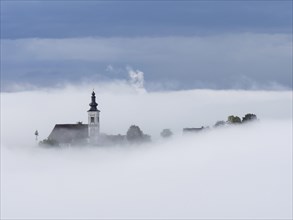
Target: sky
{"type": "Point", "coordinates": [176, 44]}
{"type": "Point", "coordinates": [74, 19]}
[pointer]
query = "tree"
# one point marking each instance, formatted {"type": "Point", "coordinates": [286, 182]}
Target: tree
{"type": "Point", "coordinates": [134, 134]}
{"type": "Point", "coordinates": [166, 133]}
{"type": "Point", "coordinates": [219, 123]}
{"type": "Point", "coordinates": [249, 117]}
{"type": "Point", "coordinates": [234, 119]}
{"type": "Point", "coordinates": [49, 143]}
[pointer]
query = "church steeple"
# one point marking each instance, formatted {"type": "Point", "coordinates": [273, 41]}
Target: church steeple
{"type": "Point", "coordinates": [93, 104]}
{"type": "Point", "coordinates": [93, 120]}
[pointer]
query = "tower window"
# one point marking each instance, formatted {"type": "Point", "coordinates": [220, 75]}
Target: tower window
{"type": "Point", "coordinates": [92, 120]}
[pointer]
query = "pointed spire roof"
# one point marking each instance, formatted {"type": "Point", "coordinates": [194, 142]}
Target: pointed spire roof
{"type": "Point", "coordinates": [93, 104]}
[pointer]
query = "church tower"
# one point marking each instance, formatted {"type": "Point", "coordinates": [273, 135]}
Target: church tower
{"type": "Point", "coordinates": [93, 120]}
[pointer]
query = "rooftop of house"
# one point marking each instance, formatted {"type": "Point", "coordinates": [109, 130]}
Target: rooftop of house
{"type": "Point", "coordinates": [69, 133]}
{"type": "Point", "coordinates": [193, 129]}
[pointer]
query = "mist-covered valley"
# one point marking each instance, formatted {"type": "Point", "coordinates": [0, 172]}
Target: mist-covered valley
{"type": "Point", "coordinates": [232, 172]}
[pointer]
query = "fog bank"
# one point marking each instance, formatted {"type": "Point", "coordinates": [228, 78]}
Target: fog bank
{"type": "Point", "coordinates": [234, 172]}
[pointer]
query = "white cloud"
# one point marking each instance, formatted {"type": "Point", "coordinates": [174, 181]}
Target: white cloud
{"type": "Point", "coordinates": [237, 47]}
{"type": "Point", "coordinates": [109, 68]}
{"type": "Point", "coordinates": [239, 172]}
{"type": "Point", "coordinates": [204, 62]}
{"type": "Point", "coordinates": [136, 79]}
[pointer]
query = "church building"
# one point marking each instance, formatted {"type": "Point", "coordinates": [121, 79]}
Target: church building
{"type": "Point", "coordinates": [71, 134]}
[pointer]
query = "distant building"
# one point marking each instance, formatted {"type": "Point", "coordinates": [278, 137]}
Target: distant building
{"type": "Point", "coordinates": [192, 130]}
{"type": "Point", "coordinates": [79, 133]}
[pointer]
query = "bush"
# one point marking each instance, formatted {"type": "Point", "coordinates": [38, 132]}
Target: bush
{"type": "Point", "coordinates": [166, 133]}
{"type": "Point", "coordinates": [49, 143]}
{"type": "Point", "coordinates": [219, 123]}
{"type": "Point", "coordinates": [134, 134]}
{"type": "Point", "coordinates": [249, 117]}
{"type": "Point", "coordinates": [234, 119]}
